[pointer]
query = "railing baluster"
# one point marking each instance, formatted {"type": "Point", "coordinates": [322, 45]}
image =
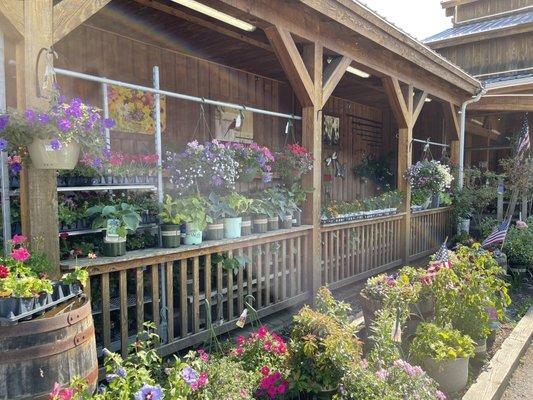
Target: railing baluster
{"type": "Point", "coordinates": [220, 288]}
{"type": "Point", "coordinates": [230, 296]}
{"type": "Point", "coordinates": [139, 290]}
{"type": "Point", "coordinates": [155, 294]}
{"type": "Point", "coordinates": [292, 283]}
{"type": "Point", "coordinates": [249, 272]}
{"type": "Point", "coordinates": [267, 274]}
{"type": "Point", "coordinates": [284, 275]}
{"type": "Point", "coordinates": [183, 299]}
{"type": "Point", "coordinates": [275, 282]}
{"type": "Point", "coordinates": [106, 316]}
{"type": "Point", "coordinates": [196, 293]}
{"type": "Point", "coordinates": [207, 279]}
{"type": "Point", "coordinates": [124, 328]}
{"type": "Point", "coordinates": [240, 283]}
{"type": "Point", "coordinates": [259, 257]}
{"type": "Point", "coordinates": [298, 271]}
{"type": "Point", "coordinates": [169, 278]}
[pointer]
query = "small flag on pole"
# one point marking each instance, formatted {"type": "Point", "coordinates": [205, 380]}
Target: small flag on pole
{"type": "Point", "coordinates": [498, 234]}
{"type": "Point", "coordinates": [524, 142]}
{"type": "Point", "coordinates": [441, 256]}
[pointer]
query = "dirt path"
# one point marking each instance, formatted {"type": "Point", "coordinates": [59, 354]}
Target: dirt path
{"type": "Point", "coordinates": [521, 383]}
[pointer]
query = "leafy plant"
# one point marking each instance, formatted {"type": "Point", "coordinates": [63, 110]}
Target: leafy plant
{"type": "Point", "coordinates": [438, 343]}
{"type": "Point", "coordinates": [518, 245]}
{"type": "Point", "coordinates": [127, 215]}
{"type": "Point", "coordinates": [236, 205]}
{"type": "Point", "coordinates": [78, 275]}
{"type": "Point", "coordinates": [377, 170]}
{"type": "Point", "coordinates": [170, 212]}
{"type": "Point", "coordinates": [194, 209]}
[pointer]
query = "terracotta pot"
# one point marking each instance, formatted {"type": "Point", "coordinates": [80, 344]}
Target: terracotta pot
{"type": "Point", "coordinates": [44, 157]}
{"type": "Point", "coordinates": [451, 375]}
{"type": "Point", "coordinates": [370, 308]}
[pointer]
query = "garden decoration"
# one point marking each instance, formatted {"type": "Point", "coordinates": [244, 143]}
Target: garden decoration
{"type": "Point", "coordinates": [54, 139]}
{"type": "Point", "coordinates": [171, 218]}
{"type": "Point", "coordinates": [117, 221]}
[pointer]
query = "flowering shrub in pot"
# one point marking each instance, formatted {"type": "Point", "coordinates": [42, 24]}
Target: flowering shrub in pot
{"type": "Point", "coordinates": [444, 354]}
{"type": "Point", "coordinates": [254, 161]}
{"type": "Point", "coordinates": [171, 217]}
{"type": "Point", "coordinates": [235, 207]}
{"type": "Point", "coordinates": [429, 177]}
{"type": "Point", "coordinates": [117, 221]}
{"type": "Point", "coordinates": [55, 138]}
{"type": "Point", "coordinates": [293, 162]}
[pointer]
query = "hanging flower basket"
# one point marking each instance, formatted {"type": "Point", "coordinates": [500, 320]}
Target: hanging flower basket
{"type": "Point", "coordinates": [44, 156]}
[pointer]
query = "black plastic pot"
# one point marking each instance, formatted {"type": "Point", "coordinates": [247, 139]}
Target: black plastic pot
{"type": "Point", "coordinates": [286, 222]}
{"type": "Point", "coordinates": [114, 249]}
{"type": "Point", "coordinates": [8, 306]}
{"type": "Point", "coordinates": [273, 224]}
{"type": "Point", "coordinates": [297, 218]}
{"type": "Point", "coordinates": [215, 230]}
{"type": "Point", "coordinates": [170, 235]}
{"type": "Point", "coordinates": [246, 226]}
{"type": "Point", "coordinates": [260, 223]}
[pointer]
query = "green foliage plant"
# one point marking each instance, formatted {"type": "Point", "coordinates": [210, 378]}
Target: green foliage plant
{"type": "Point", "coordinates": [438, 343]}
{"type": "Point", "coordinates": [127, 215]}
{"type": "Point", "coordinates": [170, 212]}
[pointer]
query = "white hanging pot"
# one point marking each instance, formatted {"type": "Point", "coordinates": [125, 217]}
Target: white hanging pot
{"type": "Point", "coordinates": [43, 156]}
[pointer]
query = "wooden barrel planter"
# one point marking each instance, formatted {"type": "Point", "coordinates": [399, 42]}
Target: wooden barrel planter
{"type": "Point", "coordinates": [37, 353]}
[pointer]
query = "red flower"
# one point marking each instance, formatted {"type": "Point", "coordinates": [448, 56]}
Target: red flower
{"type": "Point", "coordinates": [4, 271]}
{"type": "Point", "coordinates": [265, 370]}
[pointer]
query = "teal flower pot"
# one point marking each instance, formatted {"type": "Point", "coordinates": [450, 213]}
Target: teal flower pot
{"type": "Point", "coordinates": [193, 235]}
{"type": "Point", "coordinates": [232, 227]}
{"type": "Point", "coordinates": [170, 236]}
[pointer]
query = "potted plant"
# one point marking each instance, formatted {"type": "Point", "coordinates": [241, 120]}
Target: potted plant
{"type": "Point", "coordinates": [463, 208]}
{"type": "Point", "coordinates": [171, 217]}
{"type": "Point", "coordinates": [196, 218]}
{"type": "Point", "coordinates": [293, 162]}
{"type": "Point", "coordinates": [76, 279]}
{"type": "Point", "coordinates": [215, 228]}
{"type": "Point", "coordinates": [55, 138]}
{"type": "Point", "coordinates": [298, 196]}
{"type": "Point", "coordinates": [254, 162]}
{"type": "Point", "coordinates": [259, 211]}
{"type": "Point", "coordinates": [117, 221]}
{"type": "Point", "coordinates": [235, 206]}
{"type": "Point", "coordinates": [274, 207]}
{"type": "Point", "coordinates": [430, 177]}
{"type": "Point", "coordinates": [444, 355]}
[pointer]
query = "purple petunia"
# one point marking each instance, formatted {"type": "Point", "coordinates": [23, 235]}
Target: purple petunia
{"type": "Point", "coordinates": [4, 120]}
{"type": "Point", "coordinates": [43, 118]}
{"type": "Point", "coordinates": [109, 123]}
{"type": "Point", "coordinates": [3, 144]}
{"type": "Point", "coordinates": [15, 168]}
{"type": "Point", "coordinates": [73, 111]}
{"type": "Point", "coordinates": [29, 114]}
{"type": "Point", "coordinates": [75, 102]}
{"type": "Point", "coordinates": [97, 162]}
{"type": "Point", "coordinates": [189, 375]}
{"type": "Point", "coordinates": [55, 144]}
{"type": "Point", "coordinates": [121, 371]}
{"type": "Point", "coordinates": [267, 177]}
{"type": "Point", "coordinates": [147, 392]}
{"type": "Point", "coordinates": [63, 124]}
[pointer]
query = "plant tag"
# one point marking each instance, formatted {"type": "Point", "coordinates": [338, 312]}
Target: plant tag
{"type": "Point", "coordinates": [112, 227]}
{"type": "Point", "coordinates": [242, 319]}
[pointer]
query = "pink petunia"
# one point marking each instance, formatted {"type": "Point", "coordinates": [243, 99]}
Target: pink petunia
{"type": "Point", "coordinates": [21, 254]}
{"type": "Point", "coordinates": [18, 239]}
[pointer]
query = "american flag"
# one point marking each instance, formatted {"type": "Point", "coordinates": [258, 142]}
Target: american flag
{"type": "Point", "coordinates": [441, 256]}
{"type": "Point", "coordinates": [524, 143]}
{"type": "Point", "coordinates": [498, 234]}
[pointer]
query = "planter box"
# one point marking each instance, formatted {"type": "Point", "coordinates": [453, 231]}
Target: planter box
{"type": "Point", "coordinates": [286, 222]}
{"type": "Point", "coordinates": [192, 235]}
{"type": "Point", "coordinates": [232, 227]}
{"type": "Point", "coordinates": [273, 224]}
{"type": "Point", "coordinates": [246, 226]}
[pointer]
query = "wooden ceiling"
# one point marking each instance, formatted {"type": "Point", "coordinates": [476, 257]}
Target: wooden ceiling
{"type": "Point", "coordinates": [166, 24]}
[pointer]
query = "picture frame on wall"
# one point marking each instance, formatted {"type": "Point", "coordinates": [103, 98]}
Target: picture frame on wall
{"type": "Point", "coordinates": [331, 130]}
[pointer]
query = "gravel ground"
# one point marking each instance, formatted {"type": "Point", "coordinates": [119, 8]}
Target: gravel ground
{"type": "Point", "coordinates": [521, 383]}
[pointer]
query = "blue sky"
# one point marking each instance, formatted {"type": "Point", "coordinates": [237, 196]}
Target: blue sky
{"type": "Point", "coordinates": [420, 18]}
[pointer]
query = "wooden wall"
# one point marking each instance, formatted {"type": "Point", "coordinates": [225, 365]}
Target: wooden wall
{"type": "Point", "coordinates": [94, 51]}
{"type": "Point", "coordinates": [489, 7]}
{"type": "Point", "coordinates": [494, 55]}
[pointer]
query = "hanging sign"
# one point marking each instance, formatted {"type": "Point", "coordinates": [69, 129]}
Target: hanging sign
{"type": "Point", "coordinates": [234, 125]}
{"type": "Point", "coordinates": [133, 110]}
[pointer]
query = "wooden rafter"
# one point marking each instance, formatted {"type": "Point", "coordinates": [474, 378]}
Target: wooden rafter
{"type": "Point", "coordinates": [397, 101]}
{"type": "Point", "coordinates": [202, 22]}
{"type": "Point", "coordinates": [419, 101]}
{"type": "Point", "coordinates": [69, 14]}
{"type": "Point", "coordinates": [292, 63]}
{"type": "Point", "coordinates": [479, 130]}
{"type": "Point", "coordinates": [451, 112]}
{"type": "Point", "coordinates": [333, 73]}
{"type": "Point", "coordinates": [12, 18]}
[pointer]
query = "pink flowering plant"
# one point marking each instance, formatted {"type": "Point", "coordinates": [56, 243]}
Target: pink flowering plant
{"type": "Point", "coordinates": [293, 162]}
{"type": "Point", "coordinates": [429, 176]}
{"type": "Point", "coordinates": [254, 161]}
{"type": "Point", "coordinates": [123, 164]}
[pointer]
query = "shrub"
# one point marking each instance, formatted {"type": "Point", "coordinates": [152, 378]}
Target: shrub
{"type": "Point", "coordinates": [322, 351]}
{"type": "Point", "coordinates": [518, 246]}
{"type": "Point", "coordinates": [435, 342]}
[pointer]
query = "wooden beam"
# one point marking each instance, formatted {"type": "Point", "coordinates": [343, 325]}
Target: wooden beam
{"type": "Point", "coordinates": [12, 18]}
{"type": "Point", "coordinates": [503, 104]}
{"type": "Point", "coordinates": [38, 190]}
{"type": "Point", "coordinates": [206, 24]}
{"type": "Point", "coordinates": [69, 14]}
{"type": "Point", "coordinates": [292, 63]}
{"type": "Point", "coordinates": [397, 101]}
{"type": "Point", "coordinates": [452, 114]}
{"type": "Point", "coordinates": [419, 101]}
{"type": "Point", "coordinates": [454, 3]}
{"type": "Point", "coordinates": [333, 73]}
{"type": "Point", "coordinates": [478, 130]}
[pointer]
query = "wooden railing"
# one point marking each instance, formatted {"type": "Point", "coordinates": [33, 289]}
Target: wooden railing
{"type": "Point", "coordinates": [126, 291]}
{"type": "Point", "coordinates": [429, 229]}
{"type": "Point", "coordinates": [355, 250]}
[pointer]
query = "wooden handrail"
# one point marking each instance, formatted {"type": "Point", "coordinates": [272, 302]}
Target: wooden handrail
{"type": "Point", "coordinates": [360, 222]}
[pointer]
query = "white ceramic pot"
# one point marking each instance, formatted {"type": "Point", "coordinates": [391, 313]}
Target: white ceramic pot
{"type": "Point", "coordinates": [451, 375]}
{"type": "Point", "coordinates": [44, 157]}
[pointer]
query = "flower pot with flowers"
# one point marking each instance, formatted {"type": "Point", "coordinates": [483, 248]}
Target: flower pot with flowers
{"type": "Point", "coordinates": [171, 218]}
{"type": "Point", "coordinates": [235, 207]}
{"type": "Point", "coordinates": [293, 162]}
{"type": "Point", "coordinates": [429, 178]}
{"type": "Point", "coordinates": [117, 220]}
{"type": "Point", "coordinates": [55, 138]}
{"type": "Point", "coordinates": [254, 162]}
{"type": "Point", "coordinates": [195, 210]}
{"type": "Point", "coordinates": [444, 355]}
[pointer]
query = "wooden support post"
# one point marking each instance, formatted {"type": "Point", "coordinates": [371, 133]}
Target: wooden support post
{"type": "Point", "coordinates": [38, 187]}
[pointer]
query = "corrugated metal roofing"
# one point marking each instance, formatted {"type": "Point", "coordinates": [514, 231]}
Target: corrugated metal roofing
{"type": "Point", "coordinates": [483, 26]}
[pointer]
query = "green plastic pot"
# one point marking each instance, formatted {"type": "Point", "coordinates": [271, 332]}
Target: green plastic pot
{"type": "Point", "coordinates": [260, 223]}
{"type": "Point", "coordinates": [232, 227]}
{"type": "Point", "coordinates": [112, 248]}
{"type": "Point", "coordinates": [273, 224]}
{"type": "Point", "coordinates": [193, 235]}
{"type": "Point", "coordinates": [246, 227]}
{"type": "Point", "coordinates": [215, 231]}
{"type": "Point", "coordinates": [170, 236]}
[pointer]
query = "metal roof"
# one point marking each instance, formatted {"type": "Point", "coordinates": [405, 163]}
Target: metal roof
{"type": "Point", "coordinates": [483, 26]}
